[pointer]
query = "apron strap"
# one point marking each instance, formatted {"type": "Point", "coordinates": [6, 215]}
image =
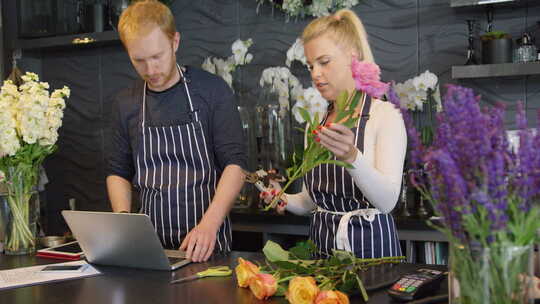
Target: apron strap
{"type": "Point", "coordinates": [187, 92]}
{"type": "Point", "coordinates": [342, 235]}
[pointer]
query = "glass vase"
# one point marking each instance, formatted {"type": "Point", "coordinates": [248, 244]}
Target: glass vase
{"type": "Point", "coordinates": [495, 275]}
{"type": "Point", "coordinates": [22, 201]}
{"type": "Point", "coordinates": [274, 139]}
{"type": "Point", "coordinates": [247, 193]}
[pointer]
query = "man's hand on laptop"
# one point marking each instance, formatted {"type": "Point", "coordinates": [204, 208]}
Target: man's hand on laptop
{"type": "Point", "coordinates": [199, 243]}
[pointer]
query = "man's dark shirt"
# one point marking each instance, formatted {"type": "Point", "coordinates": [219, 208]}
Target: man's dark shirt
{"type": "Point", "coordinates": [212, 99]}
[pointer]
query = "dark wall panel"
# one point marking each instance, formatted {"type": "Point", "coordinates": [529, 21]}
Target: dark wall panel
{"type": "Point", "coordinates": [407, 37]}
{"type": "Point", "coordinates": [79, 153]}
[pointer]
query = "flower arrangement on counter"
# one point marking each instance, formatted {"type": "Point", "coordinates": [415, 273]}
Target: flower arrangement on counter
{"type": "Point", "coordinates": [29, 121]}
{"type": "Point", "coordinates": [301, 279]}
{"type": "Point", "coordinates": [367, 81]}
{"type": "Point", "coordinates": [225, 67]}
{"type": "Point", "coordinates": [486, 193]}
{"type": "Point", "coordinates": [302, 8]}
{"type": "Point", "coordinates": [422, 96]}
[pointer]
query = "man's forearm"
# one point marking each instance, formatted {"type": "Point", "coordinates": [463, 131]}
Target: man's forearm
{"type": "Point", "coordinates": [119, 190]}
{"type": "Point", "coordinates": [230, 184]}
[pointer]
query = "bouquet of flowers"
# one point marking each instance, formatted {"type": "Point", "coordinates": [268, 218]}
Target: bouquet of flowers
{"type": "Point", "coordinates": [29, 122]}
{"type": "Point", "coordinates": [225, 67]}
{"type": "Point", "coordinates": [486, 193]}
{"type": "Point", "coordinates": [303, 280]}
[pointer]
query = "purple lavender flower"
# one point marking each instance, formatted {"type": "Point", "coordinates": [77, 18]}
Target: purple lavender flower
{"type": "Point", "coordinates": [527, 177]}
{"type": "Point", "coordinates": [451, 200]}
{"type": "Point", "coordinates": [470, 167]}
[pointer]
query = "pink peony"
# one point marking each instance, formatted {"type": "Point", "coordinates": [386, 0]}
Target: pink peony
{"type": "Point", "coordinates": [367, 78]}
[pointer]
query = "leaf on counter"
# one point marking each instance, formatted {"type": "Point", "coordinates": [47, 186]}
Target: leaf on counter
{"type": "Point", "coordinates": [303, 250]}
{"type": "Point", "coordinates": [295, 266]}
{"type": "Point", "coordinates": [273, 252]}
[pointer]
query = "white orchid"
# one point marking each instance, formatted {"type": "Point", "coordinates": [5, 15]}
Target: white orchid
{"type": "Point", "coordinates": [296, 52]}
{"type": "Point", "coordinates": [225, 67]}
{"type": "Point", "coordinates": [281, 81]}
{"type": "Point", "coordinates": [208, 65]}
{"type": "Point", "coordinates": [425, 81]}
{"type": "Point", "coordinates": [414, 92]}
{"type": "Point", "coordinates": [317, 8]}
{"type": "Point", "coordinates": [320, 8]}
{"type": "Point", "coordinates": [240, 51]}
{"type": "Point", "coordinates": [293, 7]}
{"type": "Point", "coordinates": [312, 102]}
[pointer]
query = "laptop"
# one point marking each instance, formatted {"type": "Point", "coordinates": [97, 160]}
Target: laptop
{"type": "Point", "coordinates": [121, 239]}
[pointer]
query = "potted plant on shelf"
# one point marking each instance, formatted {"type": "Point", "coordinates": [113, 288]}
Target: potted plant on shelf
{"type": "Point", "coordinates": [496, 47]}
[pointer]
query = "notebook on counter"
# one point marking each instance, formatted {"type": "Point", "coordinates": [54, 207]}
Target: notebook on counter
{"type": "Point", "coordinates": [67, 251]}
{"type": "Point", "coordinates": [121, 239]}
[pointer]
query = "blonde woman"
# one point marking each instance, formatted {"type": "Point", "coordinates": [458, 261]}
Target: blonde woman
{"type": "Point", "coordinates": [350, 207]}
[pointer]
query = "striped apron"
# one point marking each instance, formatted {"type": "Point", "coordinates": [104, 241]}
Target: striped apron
{"type": "Point", "coordinates": [344, 219]}
{"type": "Point", "coordinates": [176, 174]}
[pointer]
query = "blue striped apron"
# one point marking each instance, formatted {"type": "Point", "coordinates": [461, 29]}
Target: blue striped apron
{"type": "Point", "coordinates": [176, 174]}
{"type": "Point", "coordinates": [364, 230]}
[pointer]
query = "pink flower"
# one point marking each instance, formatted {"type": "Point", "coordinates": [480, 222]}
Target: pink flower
{"type": "Point", "coordinates": [245, 271]}
{"type": "Point", "coordinates": [263, 285]}
{"type": "Point", "coordinates": [331, 297]}
{"type": "Point", "coordinates": [367, 78]}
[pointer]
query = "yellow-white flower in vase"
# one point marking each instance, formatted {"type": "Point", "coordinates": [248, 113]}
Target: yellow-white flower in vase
{"type": "Point", "coordinates": [29, 121]}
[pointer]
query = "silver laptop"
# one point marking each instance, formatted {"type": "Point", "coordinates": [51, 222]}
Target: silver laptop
{"type": "Point", "coordinates": [121, 239]}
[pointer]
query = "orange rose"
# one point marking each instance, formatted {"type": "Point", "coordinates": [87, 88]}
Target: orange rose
{"type": "Point", "coordinates": [263, 285]}
{"type": "Point", "coordinates": [331, 297]}
{"type": "Point", "coordinates": [302, 290]}
{"type": "Point", "coordinates": [245, 271]}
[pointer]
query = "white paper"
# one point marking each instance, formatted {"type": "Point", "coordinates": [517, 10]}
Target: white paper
{"type": "Point", "coordinates": [32, 275]}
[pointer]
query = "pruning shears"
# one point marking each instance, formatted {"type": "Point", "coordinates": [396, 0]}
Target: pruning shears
{"type": "Point", "coordinates": [217, 271]}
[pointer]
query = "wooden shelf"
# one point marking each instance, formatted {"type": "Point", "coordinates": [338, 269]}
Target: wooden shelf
{"type": "Point", "coordinates": [496, 70]}
{"type": "Point", "coordinates": [88, 39]}
{"type": "Point", "coordinates": [460, 3]}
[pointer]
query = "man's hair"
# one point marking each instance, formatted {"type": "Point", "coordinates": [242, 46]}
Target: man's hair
{"type": "Point", "coordinates": [142, 16]}
{"type": "Point", "coordinates": [345, 28]}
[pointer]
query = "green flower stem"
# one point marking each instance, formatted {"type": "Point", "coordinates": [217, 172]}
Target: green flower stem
{"type": "Point", "coordinates": [315, 154]}
{"type": "Point", "coordinates": [277, 198]}
{"type": "Point", "coordinates": [20, 234]}
{"type": "Point", "coordinates": [285, 279]}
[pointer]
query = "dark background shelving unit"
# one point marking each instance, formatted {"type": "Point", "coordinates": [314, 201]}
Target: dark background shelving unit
{"type": "Point", "coordinates": [496, 70]}
{"type": "Point", "coordinates": [98, 38]}
{"type": "Point", "coordinates": [461, 3]}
